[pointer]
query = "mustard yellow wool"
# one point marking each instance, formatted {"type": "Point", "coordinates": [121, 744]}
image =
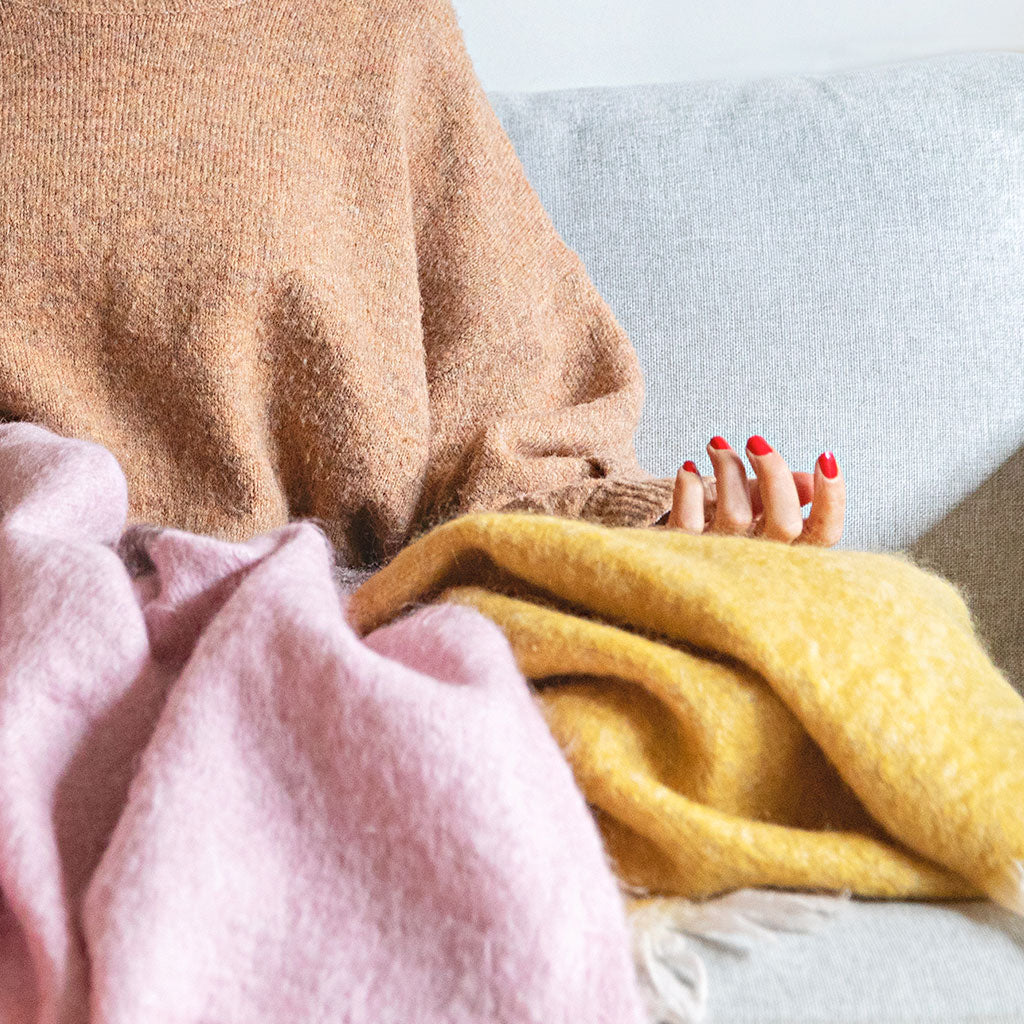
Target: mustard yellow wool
{"type": "Point", "coordinates": [742, 712]}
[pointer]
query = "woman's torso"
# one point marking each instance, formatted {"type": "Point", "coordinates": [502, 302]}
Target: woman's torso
{"type": "Point", "coordinates": [207, 261]}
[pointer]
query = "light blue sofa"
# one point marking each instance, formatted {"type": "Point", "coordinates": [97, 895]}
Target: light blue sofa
{"type": "Point", "coordinates": [835, 262]}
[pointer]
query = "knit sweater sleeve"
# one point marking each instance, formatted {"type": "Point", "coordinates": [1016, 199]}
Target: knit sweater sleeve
{"type": "Point", "coordinates": [535, 390]}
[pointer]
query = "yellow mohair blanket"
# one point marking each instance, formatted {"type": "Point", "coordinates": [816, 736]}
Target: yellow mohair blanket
{"type": "Point", "coordinates": [741, 712]}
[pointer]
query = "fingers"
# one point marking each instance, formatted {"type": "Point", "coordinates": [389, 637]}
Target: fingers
{"type": "Point", "coordinates": [782, 519]}
{"type": "Point", "coordinates": [768, 506]}
{"type": "Point", "coordinates": [687, 501]}
{"type": "Point", "coordinates": [733, 510]}
{"type": "Point", "coordinates": [824, 524]}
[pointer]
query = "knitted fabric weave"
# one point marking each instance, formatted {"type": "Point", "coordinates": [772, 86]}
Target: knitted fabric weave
{"type": "Point", "coordinates": [741, 712]}
{"type": "Point", "coordinates": [280, 258]}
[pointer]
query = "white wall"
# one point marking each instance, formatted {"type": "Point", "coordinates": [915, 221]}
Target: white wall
{"type": "Point", "coordinates": [551, 44]}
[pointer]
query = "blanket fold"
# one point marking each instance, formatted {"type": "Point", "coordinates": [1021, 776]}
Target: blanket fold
{"type": "Point", "coordinates": [741, 712]}
{"type": "Point", "coordinates": [323, 288]}
{"type": "Point", "coordinates": [238, 788]}
{"type": "Point", "coordinates": [219, 804]}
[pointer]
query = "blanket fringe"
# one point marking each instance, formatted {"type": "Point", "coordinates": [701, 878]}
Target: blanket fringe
{"type": "Point", "coordinates": [672, 975]}
{"type": "Point", "coordinates": [1007, 887]}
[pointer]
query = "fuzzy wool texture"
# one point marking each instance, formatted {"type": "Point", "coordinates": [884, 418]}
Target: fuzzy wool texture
{"type": "Point", "coordinates": [742, 712]}
{"type": "Point", "coordinates": [281, 259]}
{"type": "Point", "coordinates": [218, 803]}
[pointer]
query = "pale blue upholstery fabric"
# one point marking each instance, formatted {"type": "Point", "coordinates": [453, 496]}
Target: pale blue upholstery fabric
{"type": "Point", "coordinates": [832, 262]}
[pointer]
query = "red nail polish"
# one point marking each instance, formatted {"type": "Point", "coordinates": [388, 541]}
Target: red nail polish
{"type": "Point", "coordinates": [690, 467]}
{"type": "Point", "coordinates": [827, 462]}
{"type": "Point", "coordinates": [758, 445]}
{"type": "Point", "coordinates": [719, 442]}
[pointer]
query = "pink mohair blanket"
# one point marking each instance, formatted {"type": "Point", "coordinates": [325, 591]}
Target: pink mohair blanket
{"type": "Point", "coordinates": [219, 805]}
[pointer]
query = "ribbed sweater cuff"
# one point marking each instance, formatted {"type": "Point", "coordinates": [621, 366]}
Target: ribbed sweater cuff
{"type": "Point", "coordinates": [619, 502]}
{"type": "Point", "coordinates": [612, 501]}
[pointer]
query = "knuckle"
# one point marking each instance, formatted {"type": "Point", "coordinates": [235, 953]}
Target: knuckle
{"type": "Point", "coordinates": [831, 537]}
{"type": "Point", "coordinates": [728, 517]}
{"type": "Point", "coordinates": [825, 536]}
{"type": "Point", "coordinates": [731, 526]}
{"type": "Point", "coordinates": [787, 531]}
{"type": "Point", "coordinates": [686, 526]}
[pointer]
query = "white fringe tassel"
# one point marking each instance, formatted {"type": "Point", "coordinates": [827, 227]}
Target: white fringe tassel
{"type": "Point", "coordinates": [672, 976]}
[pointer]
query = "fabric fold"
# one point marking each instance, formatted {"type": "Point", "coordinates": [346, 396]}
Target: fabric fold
{"type": "Point", "coordinates": [741, 712]}
{"type": "Point", "coordinates": [219, 803]}
{"type": "Point", "coordinates": [339, 300]}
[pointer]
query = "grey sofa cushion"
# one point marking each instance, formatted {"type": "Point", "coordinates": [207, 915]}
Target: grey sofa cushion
{"type": "Point", "coordinates": [834, 262]}
{"type": "Point", "coordinates": [878, 963]}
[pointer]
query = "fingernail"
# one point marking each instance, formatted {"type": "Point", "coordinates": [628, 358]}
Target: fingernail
{"type": "Point", "coordinates": [690, 467]}
{"type": "Point", "coordinates": [827, 462]}
{"type": "Point", "coordinates": [719, 442]}
{"type": "Point", "coordinates": [758, 445]}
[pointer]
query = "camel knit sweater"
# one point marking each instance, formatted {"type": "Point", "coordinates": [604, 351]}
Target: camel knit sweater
{"type": "Point", "coordinates": [281, 258]}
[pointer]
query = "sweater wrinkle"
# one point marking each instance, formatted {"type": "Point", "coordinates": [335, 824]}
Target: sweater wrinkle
{"type": "Point", "coordinates": [283, 262]}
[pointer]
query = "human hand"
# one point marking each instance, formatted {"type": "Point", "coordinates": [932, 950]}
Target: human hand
{"type": "Point", "coordinates": [768, 506]}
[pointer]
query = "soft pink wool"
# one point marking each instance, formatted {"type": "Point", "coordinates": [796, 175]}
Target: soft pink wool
{"type": "Point", "coordinates": [219, 805]}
